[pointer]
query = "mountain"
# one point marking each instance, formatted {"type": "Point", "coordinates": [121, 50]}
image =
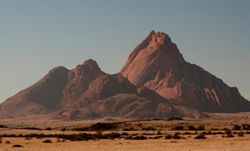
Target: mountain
{"type": "Point", "coordinates": [86, 92]}
{"type": "Point", "coordinates": [157, 64]}
{"type": "Point", "coordinates": [156, 82]}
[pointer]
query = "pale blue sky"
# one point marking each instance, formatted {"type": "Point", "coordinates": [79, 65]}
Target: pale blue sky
{"type": "Point", "coordinates": [37, 35]}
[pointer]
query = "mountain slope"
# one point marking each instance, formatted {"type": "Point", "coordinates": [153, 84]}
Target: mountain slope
{"type": "Point", "coordinates": [40, 98]}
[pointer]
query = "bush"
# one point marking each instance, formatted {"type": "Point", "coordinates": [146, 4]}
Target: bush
{"type": "Point", "coordinates": [3, 126]}
{"type": "Point", "coordinates": [48, 129]}
{"type": "Point", "coordinates": [228, 133]}
{"type": "Point", "coordinates": [148, 129]}
{"type": "Point", "coordinates": [63, 129]}
{"type": "Point", "coordinates": [177, 136]}
{"type": "Point", "coordinates": [201, 128]}
{"type": "Point", "coordinates": [201, 136]}
{"type": "Point", "coordinates": [240, 134]}
{"type": "Point", "coordinates": [7, 142]}
{"type": "Point", "coordinates": [246, 126]}
{"type": "Point", "coordinates": [187, 133]}
{"type": "Point", "coordinates": [178, 128]}
{"type": "Point", "coordinates": [236, 127]}
{"type": "Point", "coordinates": [140, 137]}
{"type": "Point", "coordinates": [114, 135]}
{"type": "Point", "coordinates": [191, 128]}
{"type": "Point", "coordinates": [158, 133]}
{"type": "Point", "coordinates": [47, 141]}
{"type": "Point", "coordinates": [17, 145]}
{"type": "Point", "coordinates": [168, 136]}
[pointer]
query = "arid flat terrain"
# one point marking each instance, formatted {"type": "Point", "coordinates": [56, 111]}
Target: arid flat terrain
{"type": "Point", "coordinates": [215, 144]}
{"type": "Point", "coordinates": [227, 132]}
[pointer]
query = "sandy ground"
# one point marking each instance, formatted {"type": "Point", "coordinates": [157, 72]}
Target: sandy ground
{"type": "Point", "coordinates": [211, 144]}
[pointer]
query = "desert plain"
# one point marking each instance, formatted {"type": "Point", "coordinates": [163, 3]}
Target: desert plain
{"type": "Point", "coordinates": [219, 132]}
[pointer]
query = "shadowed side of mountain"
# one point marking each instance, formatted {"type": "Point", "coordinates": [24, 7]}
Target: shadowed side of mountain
{"type": "Point", "coordinates": [40, 98]}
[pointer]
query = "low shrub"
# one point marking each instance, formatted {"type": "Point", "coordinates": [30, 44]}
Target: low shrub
{"type": "Point", "coordinates": [177, 136]}
{"type": "Point", "coordinates": [168, 136]}
{"type": "Point", "coordinates": [3, 126]}
{"type": "Point", "coordinates": [246, 126]}
{"type": "Point", "coordinates": [178, 128]}
{"type": "Point", "coordinates": [48, 129]}
{"type": "Point", "coordinates": [148, 129]}
{"type": "Point", "coordinates": [17, 145]}
{"type": "Point", "coordinates": [201, 128]}
{"type": "Point", "coordinates": [236, 127]}
{"type": "Point", "coordinates": [7, 142]}
{"type": "Point", "coordinates": [140, 137]}
{"type": "Point", "coordinates": [200, 136]}
{"type": "Point", "coordinates": [191, 128]}
{"type": "Point", "coordinates": [47, 141]}
{"type": "Point", "coordinates": [228, 133]}
{"type": "Point", "coordinates": [240, 134]}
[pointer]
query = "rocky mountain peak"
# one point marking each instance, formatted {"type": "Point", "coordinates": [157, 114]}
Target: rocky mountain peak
{"type": "Point", "coordinates": [153, 58]}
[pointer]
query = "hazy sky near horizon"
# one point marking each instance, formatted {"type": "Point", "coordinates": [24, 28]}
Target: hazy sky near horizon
{"type": "Point", "coordinates": [37, 35]}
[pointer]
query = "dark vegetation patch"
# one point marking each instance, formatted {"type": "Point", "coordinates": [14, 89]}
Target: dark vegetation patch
{"type": "Point", "coordinates": [190, 128]}
{"type": "Point", "coordinates": [178, 128]}
{"type": "Point", "coordinates": [201, 136]}
{"type": "Point", "coordinates": [228, 133]}
{"type": "Point", "coordinates": [246, 126]}
{"type": "Point", "coordinates": [177, 136]}
{"type": "Point", "coordinates": [129, 129]}
{"type": "Point", "coordinates": [48, 129]}
{"type": "Point", "coordinates": [47, 141]}
{"type": "Point", "coordinates": [17, 145]}
{"type": "Point", "coordinates": [3, 126]}
{"type": "Point", "coordinates": [7, 142]}
{"type": "Point", "coordinates": [168, 136]}
{"type": "Point", "coordinates": [236, 127]}
{"type": "Point", "coordinates": [240, 134]}
{"type": "Point", "coordinates": [148, 128]}
{"type": "Point", "coordinates": [175, 119]}
{"type": "Point", "coordinates": [98, 127]}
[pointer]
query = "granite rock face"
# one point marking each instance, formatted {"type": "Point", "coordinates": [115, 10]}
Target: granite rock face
{"type": "Point", "coordinates": [157, 64]}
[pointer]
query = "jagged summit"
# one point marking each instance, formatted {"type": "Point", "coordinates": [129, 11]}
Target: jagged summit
{"type": "Point", "coordinates": [152, 58]}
